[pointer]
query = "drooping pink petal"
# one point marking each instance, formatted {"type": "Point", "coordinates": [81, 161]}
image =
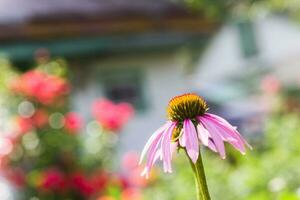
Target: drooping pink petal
{"type": "Point", "coordinates": [147, 168]}
{"type": "Point", "coordinates": [228, 131]}
{"type": "Point", "coordinates": [228, 126]}
{"type": "Point", "coordinates": [203, 134]}
{"type": "Point", "coordinates": [215, 135]}
{"type": "Point", "coordinates": [153, 148]}
{"type": "Point", "coordinates": [166, 148]}
{"type": "Point", "coordinates": [192, 144]}
{"type": "Point", "coordinates": [212, 145]}
{"type": "Point", "coordinates": [236, 142]}
{"type": "Point", "coordinates": [155, 135]}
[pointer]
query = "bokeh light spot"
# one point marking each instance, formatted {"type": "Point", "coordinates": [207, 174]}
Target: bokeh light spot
{"type": "Point", "coordinates": [26, 109]}
{"type": "Point", "coordinates": [30, 141]}
{"type": "Point", "coordinates": [56, 120]}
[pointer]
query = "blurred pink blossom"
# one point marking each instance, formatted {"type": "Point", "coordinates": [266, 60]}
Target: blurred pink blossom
{"type": "Point", "coordinates": [6, 146]}
{"type": "Point", "coordinates": [99, 180]}
{"type": "Point", "coordinates": [132, 170]}
{"type": "Point", "coordinates": [110, 115]}
{"type": "Point", "coordinates": [43, 87]}
{"type": "Point", "coordinates": [73, 122]}
{"type": "Point", "coordinates": [270, 84]}
{"type": "Point", "coordinates": [38, 120]}
{"type": "Point", "coordinates": [24, 125]}
{"type": "Point", "coordinates": [82, 184]}
{"type": "Point", "coordinates": [131, 194]}
{"type": "Point", "coordinates": [53, 179]}
{"type": "Point", "coordinates": [16, 176]}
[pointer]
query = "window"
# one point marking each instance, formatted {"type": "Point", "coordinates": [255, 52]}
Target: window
{"type": "Point", "coordinates": [124, 85]}
{"type": "Point", "coordinates": [247, 38]}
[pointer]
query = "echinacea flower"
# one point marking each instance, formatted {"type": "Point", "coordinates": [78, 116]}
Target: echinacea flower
{"type": "Point", "coordinates": [188, 127]}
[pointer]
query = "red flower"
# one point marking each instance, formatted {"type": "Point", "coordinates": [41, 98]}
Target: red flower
{"type": "Point", "coordinates": [112, 116]}
{"type": "Point", "coordinates": [99, 181]}
{"type": "Point", "coordinates": [43, 87]}
{"type": "Point", "coordinates": [82, 184]}
{"type": "Point", "coordinates": [24, 125]}
{"type": "Point", "coordinates": [120, 181]}
{"type": "Point", "coordinates": [73, 122]}
{"type": "Point", "coordinates": [54, 179]}
{"type": "Point", "coordinates": [16, 176]}
{"type": "Point", "coordinates": [38, 120]}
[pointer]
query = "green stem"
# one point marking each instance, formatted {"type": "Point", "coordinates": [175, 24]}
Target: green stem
{"type": "Point", "coordinates": [200, 180]}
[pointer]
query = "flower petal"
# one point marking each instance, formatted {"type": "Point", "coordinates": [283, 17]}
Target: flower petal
{"type": "Point", "coordinates": [166, 148]}
{"type": "Point", "coordinates": [156, 134]}
{"type": "Point", "coordinates": [229, 131]}
{"type": "Point", "coordinates": [154, 153]}
{"type": "Point", "coordinates": [206, 122]}
{"type": "Point", "coordinates": [202, 134]}
{"type": "Point", "coordinates": [212, 145]}
{"type": "Point", "coordinates": [228, 126]}
{"type": "Point", "coordinates": [192, 144]}
{"type": "Point", "coordinates": [147, 168]}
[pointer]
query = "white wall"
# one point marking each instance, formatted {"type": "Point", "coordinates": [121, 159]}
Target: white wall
{"type": "Point", "coordinates": [164, 78]}
{"type": "Point", "coordinates": [278, 40]}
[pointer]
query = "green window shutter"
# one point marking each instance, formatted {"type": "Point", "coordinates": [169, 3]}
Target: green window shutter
{"type": "Point", "coordinates": [247, 38]}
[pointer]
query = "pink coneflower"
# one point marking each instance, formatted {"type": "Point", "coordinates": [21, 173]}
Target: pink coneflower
{"type": "Point", "coordinates": [189, 125]}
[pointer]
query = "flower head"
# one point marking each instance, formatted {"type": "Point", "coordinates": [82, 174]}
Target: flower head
{"type": "Point", "coordinates": [82, 184]}
{"type": "Point", "coordinates": [53, 179]}
{"type": "Point", "coordinates": [190, 126]}
{"type": "Point", "coordinates": [73, 122]}
{"type": "Point", "coordinates": [44, 88]}
{"type": "Point", "coordinates": [110, 115]}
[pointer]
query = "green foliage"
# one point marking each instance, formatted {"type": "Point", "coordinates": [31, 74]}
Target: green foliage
{"type": "Point", "coordinates": [48, 160]}
{"type": "Point", "coordinates": [218, 9]}
{"type": "Point", "coordinates": [222, 9]}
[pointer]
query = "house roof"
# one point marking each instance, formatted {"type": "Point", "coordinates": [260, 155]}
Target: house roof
{"type": "Point", "coordinates": [13, 11]}
{"type": "Point", "coordinates": [40, 19]}
{"type": "Point", "coordinates": [78, 27]}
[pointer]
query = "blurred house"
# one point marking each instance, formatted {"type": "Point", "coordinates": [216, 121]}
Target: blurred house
{"type": "Point", "coordinates": [240, 56]}
{"type": "Point", "coordinates": [266, 44]}
{"type": "Point", "coordinates": [133, 50]}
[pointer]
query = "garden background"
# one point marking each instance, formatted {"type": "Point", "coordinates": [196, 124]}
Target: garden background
{"type": "Point", "coordinates": [84, 83]}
